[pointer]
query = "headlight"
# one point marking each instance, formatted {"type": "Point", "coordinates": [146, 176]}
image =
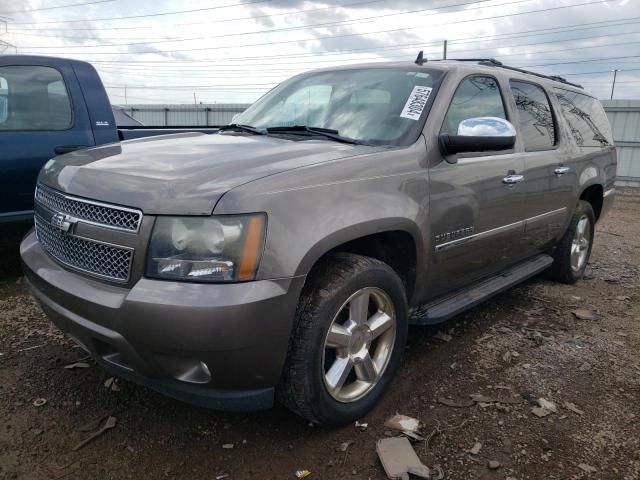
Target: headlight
{"type": "Point", "coordinates": [206, 249]}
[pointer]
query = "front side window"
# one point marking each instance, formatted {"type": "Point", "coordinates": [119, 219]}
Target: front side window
{"type": "Point", "coordinates": [586, 119]}
{"type": "Point", "coordinates": [33, 98]}
{"type": "Point", "coordinates": [476, 96]}
{"type": "Point", "coordinates": [384, 106]}
{"type": "Point", "coordinates": [534, 116]}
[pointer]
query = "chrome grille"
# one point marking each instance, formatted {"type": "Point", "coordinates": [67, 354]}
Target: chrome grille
{"type": "Point", "coordinates": [111, 216]}
{"type": "Point", "coordinates": [90, 256]}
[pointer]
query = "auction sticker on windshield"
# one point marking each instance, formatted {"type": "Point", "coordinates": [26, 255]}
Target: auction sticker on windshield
{"type": "Point", "coordinates": [416, 102]}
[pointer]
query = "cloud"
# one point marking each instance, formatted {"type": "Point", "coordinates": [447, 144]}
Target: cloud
{"type": "Point", "coordinates": [248, 48]}
{"type": "Point", "coordinates": [148, 49]}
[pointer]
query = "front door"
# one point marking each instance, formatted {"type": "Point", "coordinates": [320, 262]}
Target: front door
{"type": "Point", "coordinates": [37, 119]}
{"type": "Point", "coordinates": [476, 214]}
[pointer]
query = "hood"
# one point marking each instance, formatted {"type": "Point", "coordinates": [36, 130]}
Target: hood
{"type": "Point", "coordinates": [183, 174]}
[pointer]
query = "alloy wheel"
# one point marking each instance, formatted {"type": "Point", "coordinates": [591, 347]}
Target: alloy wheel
{"type": "Point", "coordinates": [359, 344]}
{"type": "Point", "coordinates": [580, 244]}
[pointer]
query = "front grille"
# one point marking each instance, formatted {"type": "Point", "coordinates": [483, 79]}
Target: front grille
{"type": "Point", "coordinates": [90, 256]}
{"type": "Point", "coordinates": [110, 216]}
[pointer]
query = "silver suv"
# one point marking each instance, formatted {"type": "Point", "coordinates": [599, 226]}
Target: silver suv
{"type": "Point", "coordinates": [285, 256]}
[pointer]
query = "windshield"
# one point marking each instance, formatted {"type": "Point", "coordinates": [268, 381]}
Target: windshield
{"type": "Point", "coordinates": [381, 106]}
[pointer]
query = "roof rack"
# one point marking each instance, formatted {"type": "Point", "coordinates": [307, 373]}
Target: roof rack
{"type": "Point", "coordinates": [492, 62]}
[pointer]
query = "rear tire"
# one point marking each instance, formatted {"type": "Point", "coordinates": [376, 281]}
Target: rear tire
{"type": "Point", "coordinates": [572, 253]}
{"type": "Point", "coordinates": [349, 335]}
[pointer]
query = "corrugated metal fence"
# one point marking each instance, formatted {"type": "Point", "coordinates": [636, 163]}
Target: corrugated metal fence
{"type": "Point", "coordinates": [624, 116]}
{"type": "Point", "coordinates": [202, 115]}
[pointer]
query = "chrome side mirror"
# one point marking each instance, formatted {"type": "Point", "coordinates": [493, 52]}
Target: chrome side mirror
{"type": "Point", "coordinates": [476, 135]}
{"type": "Point", "coordinates": [486, 127]}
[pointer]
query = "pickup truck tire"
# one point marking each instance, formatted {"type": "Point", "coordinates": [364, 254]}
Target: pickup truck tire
{"type": "Point", "coordinates": [349, 335]}
{"type": "Point", "coordinates": [572, 253]}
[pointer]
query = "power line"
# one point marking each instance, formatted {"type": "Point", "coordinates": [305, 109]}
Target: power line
{"type": "Point", "coordinates": [601, 71]}
{"type": "Point", "coordinates": [292, 12]}
{"type": "Point", "coordinates": [520, 34]}
{"type": "Point", "coordinates": [82, 4]}
{"type": "Point", "coordinates": [209, 86]}
{"type": "Point", "coordinates": [202, 63]}
{"type": "Point", "coordinates": [175, 12]}
{"type": "Point", "coordinates": [254, 64]}
{"type": "Point", "coordinates": [580, 61]}
{"type": "Point", "coordinates": [344, 35]}
{"type": "Point", "coordinates": [299, 27]}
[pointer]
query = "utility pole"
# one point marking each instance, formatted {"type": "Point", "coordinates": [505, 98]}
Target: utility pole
{"type": "Point", "coordinates": [444, 53]}
{"type": "Point", "coordinates": [613, 86]}
{"type": "Point", "coordinates": [195, 102]}
{"type": "Point", "coordinates": [125, 96]}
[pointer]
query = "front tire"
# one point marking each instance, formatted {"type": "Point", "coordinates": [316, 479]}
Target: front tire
{"type": "Point", "coordinates": [573, 251]}
{"type": "Point", "coordinates": [348, 339]}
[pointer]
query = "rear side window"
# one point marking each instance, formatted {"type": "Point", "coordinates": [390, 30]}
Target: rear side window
{"type": "Point", "coordinates": [586, 119]}
{"type": "Point", "coordinates": [33, 98]}
{"type": "Point", "coordinates": [476, 96]}
{"type": "Point", "coordinates": [534, 116]}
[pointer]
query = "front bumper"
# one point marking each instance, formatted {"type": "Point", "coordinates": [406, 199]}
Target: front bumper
{"type": "Point", "coordinates": [221, 346]}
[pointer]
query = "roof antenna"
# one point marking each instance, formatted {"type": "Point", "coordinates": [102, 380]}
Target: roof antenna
{"type": "Point", "coordinates": [420, 59]}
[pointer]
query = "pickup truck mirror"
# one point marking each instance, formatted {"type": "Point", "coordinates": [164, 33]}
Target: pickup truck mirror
{"type": "Point", "coordinates": [480, 134]}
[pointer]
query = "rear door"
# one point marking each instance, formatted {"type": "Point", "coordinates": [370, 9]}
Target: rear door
{"type": "Point", "coordinates": [476, 218]}
{"type": "Point", "coordinates": [549, 177]}
{"type": "Point", "coordinates": [42, 113]}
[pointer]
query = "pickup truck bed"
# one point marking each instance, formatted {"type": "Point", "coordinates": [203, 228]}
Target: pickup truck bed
{"type": "Point", "coordinates": [131, 133]}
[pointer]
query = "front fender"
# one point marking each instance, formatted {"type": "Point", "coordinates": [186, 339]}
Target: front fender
{"type": "Point", "coordinates": [355, 232]}
{"type": "Point", "coordinates": [313, 209]}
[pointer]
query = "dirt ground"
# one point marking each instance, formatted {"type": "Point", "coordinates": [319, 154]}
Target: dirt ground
{"type": "Point", "coordinates": [523, 345]}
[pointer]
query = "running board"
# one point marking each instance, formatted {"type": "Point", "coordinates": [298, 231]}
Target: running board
{"type": "Point", "coordinates": [442, 310]}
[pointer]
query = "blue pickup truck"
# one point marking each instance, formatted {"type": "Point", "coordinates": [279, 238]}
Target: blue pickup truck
{"type": "Point", "coordinates": [50, 106]}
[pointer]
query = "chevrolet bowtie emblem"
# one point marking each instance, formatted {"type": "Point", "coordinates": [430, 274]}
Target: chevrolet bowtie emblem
{"type": "Point", "coordinates": [63, 222]}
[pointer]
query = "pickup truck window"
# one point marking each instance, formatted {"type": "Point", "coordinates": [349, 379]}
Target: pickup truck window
{"type": "Point", "coordinates": [476, 96]}
{"type": "Point", "coordinates": [385, 106]}
{"type": "Point", "coordinates": [534, 116]}
{"type": "Point", "coordinates": [35, 99]}
{"type": "Point", "coordinates": [586, 119]}
{"type": "Point", "coordinates": [3, 99]}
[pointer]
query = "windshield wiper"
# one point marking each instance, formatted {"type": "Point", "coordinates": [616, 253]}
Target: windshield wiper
{"type": "Point", "coordinates": [245, 128]}
{"type": "Point", "coordinates": [325, 132]}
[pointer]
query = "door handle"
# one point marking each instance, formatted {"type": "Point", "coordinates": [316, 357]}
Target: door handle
{"type": "Point", "coordinates": [561, 170]}
{"type": "Point", "coordinates": [512, 179]}
{"type": "Point", "coordinates": [62, 149]}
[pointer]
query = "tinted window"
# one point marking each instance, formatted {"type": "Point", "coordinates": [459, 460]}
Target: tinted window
{"type": "Point", "coordinates": [534, 116]}
{"type": "Point", "coordinates": [476, 96]}
{"type": "Point", "coordinates": [586, 119]}
{"type": "Point", "coordinates": [33, 98]}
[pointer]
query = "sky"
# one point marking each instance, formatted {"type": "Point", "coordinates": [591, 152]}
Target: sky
{"type": "Point", "coordinates": [233, 51]}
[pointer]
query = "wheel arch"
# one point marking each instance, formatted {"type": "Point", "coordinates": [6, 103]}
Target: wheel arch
{"type": "Point", "coordinates": [397, 242]}
{"type": "Point", "coordinates": [594, 194]}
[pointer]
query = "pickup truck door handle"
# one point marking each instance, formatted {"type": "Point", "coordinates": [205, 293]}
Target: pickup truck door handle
{"type": "Point", "coordinates": [561, 170]}
{"type": "Point", "coordinates": [512, 179]}
{"type": "Point", "coordinates": [67, 149]}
